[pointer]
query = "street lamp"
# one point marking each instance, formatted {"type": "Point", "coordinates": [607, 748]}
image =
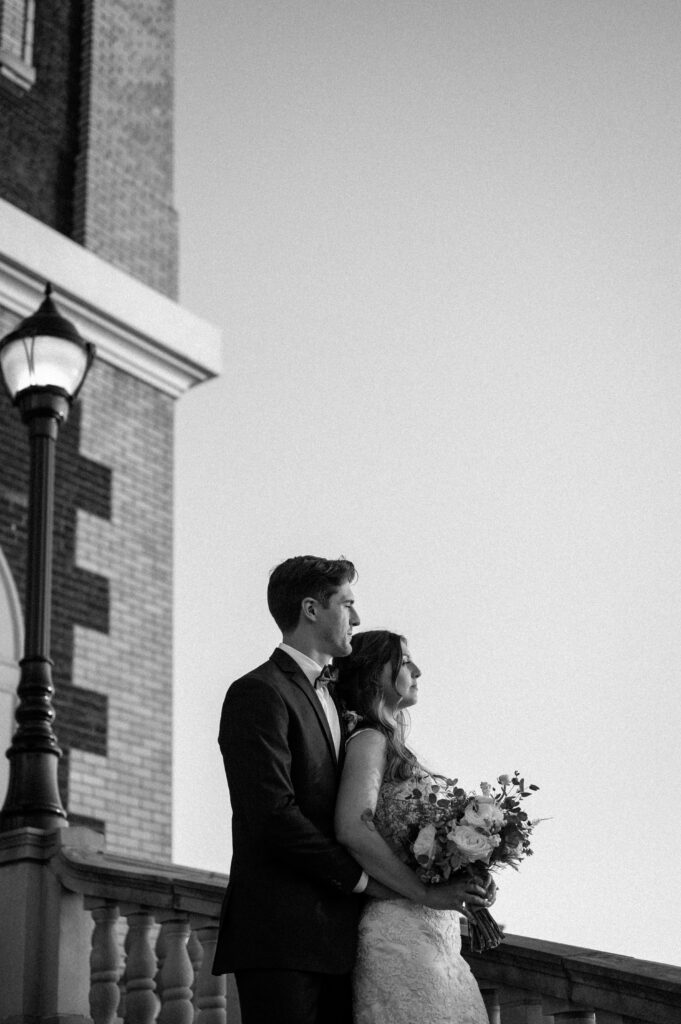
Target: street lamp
{"type": "Point", "coordinates": [44, 362]}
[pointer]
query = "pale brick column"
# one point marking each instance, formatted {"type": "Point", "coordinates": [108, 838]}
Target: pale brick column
{"type": "Point", "coordinates": [127, 425]}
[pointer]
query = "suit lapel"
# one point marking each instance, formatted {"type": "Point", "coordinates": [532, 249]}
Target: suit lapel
{"type": "Point", "coordinates": [295, 674]}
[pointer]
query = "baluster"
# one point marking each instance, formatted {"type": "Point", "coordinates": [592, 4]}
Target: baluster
{"type": "Point", "coordinates": [161, 950]}
{"type": "Point", "coordinates": [104, 964]}
{"type": "Point", "coordinates": [195, 954]}
{"type": "Point", "coordinates": [491, 999]}
{"type": "Point", "coordinates": [521, 1007]}
{"type": "Point", "coordinates": [534, 1013]}
{"type": "Point", "coordinates": [123, 980]}
{"type": "Point", "coordinates": [211, 989]}
{"type": "Point", "coordinates": [141, 1002]}
{"type": "Point", "coordinates": [176, 974]}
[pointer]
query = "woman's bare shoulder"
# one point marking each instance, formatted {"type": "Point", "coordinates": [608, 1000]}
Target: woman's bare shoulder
{"type": "Point", "coordinates": [369, 737]}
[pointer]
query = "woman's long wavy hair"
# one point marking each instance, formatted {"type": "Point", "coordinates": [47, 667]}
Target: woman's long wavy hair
{"type": "Point", "coordinates": [360, 689]}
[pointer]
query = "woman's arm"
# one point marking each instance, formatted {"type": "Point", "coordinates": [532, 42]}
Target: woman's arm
{"type": "Point", "coordinates": [355, 829]}
{"type": "Point", "coordinates": [355, 808]}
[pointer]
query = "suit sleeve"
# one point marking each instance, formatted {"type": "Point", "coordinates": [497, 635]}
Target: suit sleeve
{"type": "Point", "coordinates": [254, 745]}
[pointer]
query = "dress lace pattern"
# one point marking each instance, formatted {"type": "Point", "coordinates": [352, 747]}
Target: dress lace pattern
{"type": "Point", "coordinates": [409, 968]}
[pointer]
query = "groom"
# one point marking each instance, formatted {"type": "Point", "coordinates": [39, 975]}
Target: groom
{"type": "Point", "coordinates": [289, 918]}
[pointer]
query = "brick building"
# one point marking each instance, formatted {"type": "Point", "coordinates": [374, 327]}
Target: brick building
{"type": "Point", "coordinates": [86, 93]}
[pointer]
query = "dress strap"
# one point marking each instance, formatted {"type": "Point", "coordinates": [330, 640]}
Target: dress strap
{"type": "Point", "coordinates": [363, 728]}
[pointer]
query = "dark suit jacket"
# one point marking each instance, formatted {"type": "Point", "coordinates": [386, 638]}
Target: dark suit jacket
{"type": "Point", "coordinates": [289, 902]}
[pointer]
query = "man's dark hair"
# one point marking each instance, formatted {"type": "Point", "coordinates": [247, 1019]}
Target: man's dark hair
{"type": "Point", "coordinates": [301, 577]}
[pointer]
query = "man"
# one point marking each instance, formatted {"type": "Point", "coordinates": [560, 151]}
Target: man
{"type": "Point", "coordinates": [289, 919]}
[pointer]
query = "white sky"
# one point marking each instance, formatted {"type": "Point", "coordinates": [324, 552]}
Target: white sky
{"type": "Point", "coordinates": [442, 240]}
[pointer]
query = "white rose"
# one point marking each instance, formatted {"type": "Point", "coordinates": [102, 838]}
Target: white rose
{"type": "Point", "coordinates": [504, 780]}
{"type": "Point", "coordinates": [483, 812]}
{"type": "Point", "coordinates": [473, 845]}
{"type": "Point", "coordinates": [425, 845]}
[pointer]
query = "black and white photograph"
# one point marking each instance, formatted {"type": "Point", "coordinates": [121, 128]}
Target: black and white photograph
{"type": "Point", "coordinates": [340, 511]}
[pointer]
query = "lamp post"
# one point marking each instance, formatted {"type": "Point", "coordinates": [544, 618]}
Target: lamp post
{"type": "Point", "coordinates": [44, 362]}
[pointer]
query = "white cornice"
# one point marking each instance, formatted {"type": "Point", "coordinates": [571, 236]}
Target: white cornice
{"type": "Point", "coordinates": [134, 327]}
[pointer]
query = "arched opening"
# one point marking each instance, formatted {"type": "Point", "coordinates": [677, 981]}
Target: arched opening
{"type": "Point", "coordinates": [11, 645]}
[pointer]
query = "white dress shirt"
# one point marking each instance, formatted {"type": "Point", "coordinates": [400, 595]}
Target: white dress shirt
{"type": "Point", "coordinates": [311, 670]}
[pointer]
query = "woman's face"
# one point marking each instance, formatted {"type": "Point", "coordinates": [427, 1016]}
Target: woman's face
{"type": "Point", "coordinates": [405, 692]}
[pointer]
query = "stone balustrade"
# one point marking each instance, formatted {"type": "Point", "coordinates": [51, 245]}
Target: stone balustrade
{"type": "Point", "coordinates": [121, 939]}
{"type": "Point", "coordinates": [532, 981]}
{"type": "Point", "coordinates": [92, 937]}
{"type": "Point", "coordinates": [153, 940]}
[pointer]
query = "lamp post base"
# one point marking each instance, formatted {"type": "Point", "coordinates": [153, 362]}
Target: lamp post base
{"type": "Point", "coordinates": [33, 794]}
{"type": "Point", "coordinates": [35, 775]}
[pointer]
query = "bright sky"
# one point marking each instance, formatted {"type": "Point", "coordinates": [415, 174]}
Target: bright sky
{"type": "Point", "coordinates": [442, 240]}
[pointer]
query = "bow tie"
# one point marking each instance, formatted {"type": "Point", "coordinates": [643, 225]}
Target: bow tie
{"type": "Point", "coordinates": [326, 676]}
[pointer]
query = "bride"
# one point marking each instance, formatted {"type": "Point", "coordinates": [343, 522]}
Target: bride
{"type": "Point", "coordinates": [409, 965]}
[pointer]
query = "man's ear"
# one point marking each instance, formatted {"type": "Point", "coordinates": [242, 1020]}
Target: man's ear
{"type": "Point", "coordinates": [308, 609]}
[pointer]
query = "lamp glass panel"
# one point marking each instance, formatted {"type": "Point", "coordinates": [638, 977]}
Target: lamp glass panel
{"type": "Point", "coordinates": [43, 361]}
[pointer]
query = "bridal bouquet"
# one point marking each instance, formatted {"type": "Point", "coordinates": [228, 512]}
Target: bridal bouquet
{"type": "Point", "coordinates": [475, 832]}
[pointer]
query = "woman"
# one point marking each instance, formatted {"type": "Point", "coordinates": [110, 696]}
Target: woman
{"type": "Point", "coordinates": [409, 966]}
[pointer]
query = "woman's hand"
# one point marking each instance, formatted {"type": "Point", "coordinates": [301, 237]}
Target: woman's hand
{"type": "Point", "coordinates": [491, 889]}
{"type": "Point", "coordinates": [462, 894]}
{"type": "Point", "coordinates": [489, 885]}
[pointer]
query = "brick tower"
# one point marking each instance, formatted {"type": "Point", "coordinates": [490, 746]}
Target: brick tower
{"type": "Point", "coordinates": [86, 94]}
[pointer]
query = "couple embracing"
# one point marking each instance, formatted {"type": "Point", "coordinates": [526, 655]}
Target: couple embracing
{"type": "Point", "coordinates": [323, 921]}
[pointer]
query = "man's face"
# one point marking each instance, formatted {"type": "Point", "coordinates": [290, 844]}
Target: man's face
{"type": "Point", "coordinates": [335, 622]}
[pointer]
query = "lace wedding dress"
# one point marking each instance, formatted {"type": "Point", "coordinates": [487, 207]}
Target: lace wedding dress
{"type": "Point", "coordinates": [409, 968]}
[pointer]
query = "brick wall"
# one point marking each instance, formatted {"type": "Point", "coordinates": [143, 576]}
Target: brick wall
{"type": "Point", "coordinates": [88, 151]}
